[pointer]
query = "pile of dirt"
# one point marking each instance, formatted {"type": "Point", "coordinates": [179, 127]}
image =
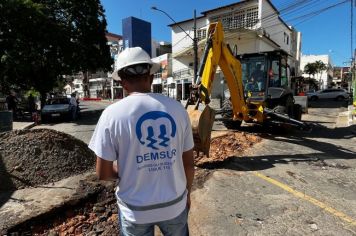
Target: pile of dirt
{"type": "Point", "coordinates": [96, 214]}
{"type": "Point", "coordinates": [41, 156]}
{"type": "Point", "coordinates": [227, 146]}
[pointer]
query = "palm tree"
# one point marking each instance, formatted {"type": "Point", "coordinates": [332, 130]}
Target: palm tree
{"type": "Point", "coordinates": [320, 67]}
{"type": "Point", "coordinates": [310, 69]}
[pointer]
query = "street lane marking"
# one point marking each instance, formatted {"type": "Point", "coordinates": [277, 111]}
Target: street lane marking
{"type": "Point", "coordinates": [308, 198]}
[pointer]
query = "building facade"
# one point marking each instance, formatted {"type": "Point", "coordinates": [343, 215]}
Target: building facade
{"type": "Point", "coordinates": [250, 26]}
{"type": "Point", "coordinates": [137, 33]}
{"type": "Point", "coordinates": [325, 78]}
{"type": "Point", "coordinates": [342, 77]}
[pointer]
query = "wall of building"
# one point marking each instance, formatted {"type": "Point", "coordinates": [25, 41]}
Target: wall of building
{"type": "Point", "coordinates": [180, 41]}
{"type": "Point", "coordinates": [238, 15]}
{"type": "Point", "coordinates": [250, 27]}
{"type": "Point", "coordinates": [137, 33]}
{"type": "Point", "coordinates": [275, 28]}
{"type": "Point", "coordinates": [325, 77]}
{"type": "Point", "coordinates": [160, 48]}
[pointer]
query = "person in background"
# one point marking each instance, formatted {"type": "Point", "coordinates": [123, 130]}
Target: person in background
{"type": "Point", "coordinates": [258, 77]}
{"type": "Point", "coordinates": [251, 86]}
{"type": "Point", "coordinates": [12, 101]}
{"type": "Point", "coordinates": [73, 106]}
{"type": "Point", "coordinates": [145, 141]}
{"type": "Point", "coordinates": [31, 103]}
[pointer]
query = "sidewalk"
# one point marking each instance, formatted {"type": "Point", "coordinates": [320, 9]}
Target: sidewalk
{"type": "Point", "coordinates": [22, 125]}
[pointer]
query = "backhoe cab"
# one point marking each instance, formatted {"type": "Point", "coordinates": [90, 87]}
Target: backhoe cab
{"type": "Point", "coordinates": [266, 81]}
{"type": "Point", "coordinates": [258, 89]}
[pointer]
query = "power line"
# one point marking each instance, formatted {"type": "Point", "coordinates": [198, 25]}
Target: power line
{"type": "Point", "coordinates": [315, 13]}
{"type": "Point", "coordinates": [287, 10]}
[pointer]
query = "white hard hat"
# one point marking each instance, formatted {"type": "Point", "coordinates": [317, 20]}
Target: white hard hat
{"type": "Point", "coordinates": [134, 56]}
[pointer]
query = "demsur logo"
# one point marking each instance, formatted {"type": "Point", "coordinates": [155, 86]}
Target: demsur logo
{"type": "Point", "coordinates": [153, 140]}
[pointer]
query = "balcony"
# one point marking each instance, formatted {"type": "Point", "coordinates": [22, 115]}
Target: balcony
{"type": "Point", "coordinates": [183, 74]}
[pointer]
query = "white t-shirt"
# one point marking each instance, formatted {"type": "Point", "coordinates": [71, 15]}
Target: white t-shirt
{"type": "Point", "coordinates": [147, 134]}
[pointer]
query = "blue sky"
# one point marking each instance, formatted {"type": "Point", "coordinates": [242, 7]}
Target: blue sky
{"type": "Point", "coordinates": [326, 33]}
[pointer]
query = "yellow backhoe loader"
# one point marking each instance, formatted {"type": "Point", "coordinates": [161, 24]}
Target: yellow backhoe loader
{"type": "Point", "coordinates": [257, 101]}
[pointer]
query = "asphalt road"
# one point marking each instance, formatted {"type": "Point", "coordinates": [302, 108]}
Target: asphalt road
{"type": "Point", "coordinates": [289, 184]}
{"type": "Point", "coordinates": [83, 127]}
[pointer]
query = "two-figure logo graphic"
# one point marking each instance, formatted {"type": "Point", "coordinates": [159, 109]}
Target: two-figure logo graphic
{"type": "Point", "coordinates": [152, 141]}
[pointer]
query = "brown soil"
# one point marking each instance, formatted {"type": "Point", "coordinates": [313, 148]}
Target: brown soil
{"type": "Point", "coordinates": [41, 156]}
{"type": "Point", "coordinates": [98, 215]}
{"type": "Point", "coordinates": [222, 148]}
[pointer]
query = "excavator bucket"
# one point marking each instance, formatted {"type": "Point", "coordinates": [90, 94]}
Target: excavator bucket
{"type": "Point", "coordinates": [202, 124]}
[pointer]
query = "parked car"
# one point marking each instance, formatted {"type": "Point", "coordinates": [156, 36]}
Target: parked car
{"type": "Point", "coordinates": [56, 108]}
{"type": "Point", "coordinates": [337, 94]}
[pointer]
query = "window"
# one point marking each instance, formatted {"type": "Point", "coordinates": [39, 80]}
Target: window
{"type": "Point", "coordinates": [254, 74]}
{"type": "Point", "coordinates": [226, 21]}
{"type": "Point", "coordinates": [286, 38]}
{"type": "Point", "coordinates": [238, 20]}
{"type": "Point", "coordinates": [245, 18]}
{"type": "Point", "coordinates": [251, 17]}
{"type": "Point", "coordinates": [201, 34]}
{"type": "Point", "coordinates": [274, 75]}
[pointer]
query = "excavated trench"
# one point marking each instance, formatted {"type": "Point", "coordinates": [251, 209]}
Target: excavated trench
{"type": "Point", "coordinates": [26, 154]}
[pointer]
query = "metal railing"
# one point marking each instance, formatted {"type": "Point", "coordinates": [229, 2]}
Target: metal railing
{"type": "Point", "coordinates": [183, 74]}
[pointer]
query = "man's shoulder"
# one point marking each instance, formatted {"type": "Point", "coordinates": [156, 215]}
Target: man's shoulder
{"type": "Point", "coordinates": [167, 99]}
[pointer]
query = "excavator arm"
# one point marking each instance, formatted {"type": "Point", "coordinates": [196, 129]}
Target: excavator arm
{"type": "Point", "coordinates": [216, 53]}
{"type": "Point", "coordinates": [219, 54]}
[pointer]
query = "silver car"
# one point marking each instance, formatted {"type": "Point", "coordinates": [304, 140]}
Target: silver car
{"type": "Point", "coordinates": [56, 108]}
{"type": "Point", "coordinates": [337, 94]}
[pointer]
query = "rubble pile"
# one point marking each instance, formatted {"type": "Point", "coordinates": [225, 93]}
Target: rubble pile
{"type": "Point", "coordinates": [226, 146]}
{"type": "Point", "coordinates": [36, 157]}
{"type": "Point", "coordinates": [97, 214]}
{"type": "Point", "coordinates": [30, 158]}
{"type": "Point", "coordinates": [98, 217]}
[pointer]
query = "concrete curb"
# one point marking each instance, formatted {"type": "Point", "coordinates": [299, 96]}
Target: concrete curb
{"type": "Point", "coordinates": [29, 126]}
{"type": "Point", "coordinates": [345, 118]}
{"type": "Point", "coordinates": [26, 204]}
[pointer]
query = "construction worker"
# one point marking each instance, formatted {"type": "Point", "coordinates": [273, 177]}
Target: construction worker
{"type": "Point", "coordinates": [145, 140]}
{"type": "Point", "coordinates": [251, 86]}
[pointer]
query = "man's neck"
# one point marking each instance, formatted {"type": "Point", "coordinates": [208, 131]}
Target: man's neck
{"type": "Point", "coordinates": [140, 91]}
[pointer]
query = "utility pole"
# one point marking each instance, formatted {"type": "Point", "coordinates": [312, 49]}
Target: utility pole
{"type": "Point", "coordinates": [195, 48]}
{"type": "Point", "coordinates": [353, 56]}
{"type": "Point", "coordinates": [353, 76]}
{"type": "Point", "coordinates": [195, 42]}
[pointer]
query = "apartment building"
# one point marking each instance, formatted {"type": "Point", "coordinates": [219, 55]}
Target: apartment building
{"type": "Point", "coordinates": [250, 26]}
{"type": "Point", "coordinates": [325, 77]}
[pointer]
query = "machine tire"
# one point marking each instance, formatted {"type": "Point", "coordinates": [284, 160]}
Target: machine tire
{"type": "Point", "coordinates": [227, 115]}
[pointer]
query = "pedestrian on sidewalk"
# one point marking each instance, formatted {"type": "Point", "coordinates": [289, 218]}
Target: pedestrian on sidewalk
{"type": "Point", "coordinates": [32, 108]}
{"type": "Point", "coordinates": [12, 101]}
{"type": "Point", "coordinates": [73, 106]}
{"type": "Point", "coordinates": [145, 141]}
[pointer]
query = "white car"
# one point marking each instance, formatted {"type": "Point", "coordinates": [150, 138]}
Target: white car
{"type": "Point", "coordinates": [337, 94]}
{"type": "Point", "coordinates": [56, 108]}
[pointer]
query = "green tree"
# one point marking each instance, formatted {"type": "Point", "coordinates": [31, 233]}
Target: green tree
{"type": "Point", "coordinates": [310, 69]}
{"type": "Point", "coordinates": [320, 67]}
{"type": "Point", "coordinates": [40, 40]}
